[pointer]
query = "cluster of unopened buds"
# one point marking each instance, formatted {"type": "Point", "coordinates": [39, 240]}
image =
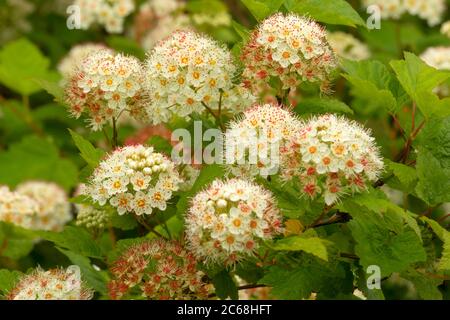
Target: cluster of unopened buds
{"type": "Point", "coordinates": [92, 218]}
{"type": "Point", "coordinates": [109, 13]}
{"type": "Point", "coordinates": [429, 10]}
{"type": "Point", "coordinates": [253, 141]}
{"type": "Point", "coordinates": [331, 156]}
{"type": "Point", "coordinates": [35, 205]}
{"type": "Point", "coordinates": [134, 179]}
{"type": "Point", "coordinates": [159, 269]}
{"type": "Point", "coordinates": [188, 72]}
{"type": "Point", "coordinates": [227, 221]}
{"type": "Point", "coordinates": [104, 86]}
{"type": "Point", "coordinates": [290, 48]}
{"type": "Point", "coordinates": [345, 45]}
{"type": "Point", "coordinates": [54, 284]}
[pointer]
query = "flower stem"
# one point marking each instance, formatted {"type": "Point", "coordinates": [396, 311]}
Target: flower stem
{"type": "Point", "coordinates": [114, 143]}
{"type": "Point", "coordinates": [144, 223]}
{"type": "Point", "coordinates": [214, 115]}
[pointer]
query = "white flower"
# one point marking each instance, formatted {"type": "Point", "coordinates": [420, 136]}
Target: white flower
{"type": "Point", "coordinates": [253, 141]}
{"type": "Point", "coordinates": [288, 47]}
{"type": "Point", "coordinates": [187, 70]}
{"type": "Point", "coordinates": [76, 56]}
{"type": "Point", "coordinates": [347, 46]}
{"type": "Point", "coordinates": [17, 208]}
{"type": "Point", "coordinates": [110, 14]}
{"type": "Point", "coordinates": [227, 221]}
{"type": "Point", "coordinates": [105, 85]}
{"type": "Point", "coordinates": [54, 207]}
{"type": "Point", "coordinates": [331, 156]}
{"type": "Point", "coordinates": [430, 10]}
{"type": "Point", "coordinates": [158, 269]}
{"type": "Point", "coordinates": [445, 28]}
{"type": "Point", "coordinates": [135, 180]}
{"type": "Point", "coordinates": [54, 284]}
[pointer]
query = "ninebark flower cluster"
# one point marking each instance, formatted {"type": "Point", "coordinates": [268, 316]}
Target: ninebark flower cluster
{"type": "Point", "coordinates": [290, 48]}
{"type": "Point", "coordinates": [227, 221]}
{"type": "Point", "coordinates": [134, 179]}
{"type": "Point", "coordinates": [54, 284]}
{"type": "Point", "coordinates": [158, 269]}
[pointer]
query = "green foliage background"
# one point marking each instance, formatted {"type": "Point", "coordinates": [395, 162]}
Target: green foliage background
{"type": "Point", "coordinates": [391, 93]}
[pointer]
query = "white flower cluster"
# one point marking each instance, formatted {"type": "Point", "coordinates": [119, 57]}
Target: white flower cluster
{"type": "Point", "coordinates": [35, 205]}
{"type": "Point", "coordinates": [347, 46]}
{"type": "Point", "coordinates": [54, 284]}
{"type": "Point", "coordinates": [187, 70]}
{"type": "Point", "coordinates": [331, 156]}
{"type": "Point", "coordinates": [429, 10]}
{"type": "Point", "coordinates": [226, 222]}
{"type": "Point", "coordinates": [445, 28]}
{"type": "Point", "coordinates": [17, 208]}
{"type": "Point", "coordinates": [291, 48]}
{"type": "Point", "coordinates": [158, 270]}
{"type": "Point", "coordinates": [109, 13]}
{"type": "Point", "coordinates": [157, 19]}
{"type": "Point", "coordinates": [105, 86]}
{"type": "Point", "coordinates": [69, 64]}
{"type": "Point", "coordinates": [53, 205]}
{"type": "Point", "coordinates": [13, 19]}
{"type": "Point", "coordinates": [439, 58]}
{"type": "Point", "coordinates": [254, 140]}
{"type": "Point", "coordinates": [134, 179]}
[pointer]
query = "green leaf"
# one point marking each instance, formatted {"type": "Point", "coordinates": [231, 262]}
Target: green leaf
{"type": "Point", "coordinates": [315, 245]}
{"type": "Point", "coordinates": [225, 285]}
{"type": "Point", "coordinates": [384, 237]}
{"type": "Point", "coordinates": [125, 45]}
{"type": "Point", "coordinates": [242, 31]}
{"type": "Point", "coordinates": [95, 279]}
{"type": "Point", "coordinates": [433, 162]}
{"type": "Point", "coordinates": [406, 175]}
{"type": "Point", "coordinates": [20, 63]}
{"type": "Point", "coordinates": [308, 274]}
{"type": "Point", "coordinates": [53, 88]}
{"type": "Point", "coordinates": [261, 9]}
{"type": "Point", "coordinates": [328, 11]}
{"type": "Point", "coordinates": [175, 225]}
{"type": "Point", "coordinates": [419, 79]}
{"type": "Point", "coordinates": [38, 159]}
{"type": "Point", "coordinates": [87, 151]}
{"type": "Point", "coordinates": [160, 144]}
{"type": "Point", "coordinates": [207, 175]}
{"type": "Point", "coordinates": [123, 245]}
{"type": "Point", "coordinates": [205, 6]}
{"type": "Point", "coordinates": [426, 287]}
{"type": "Point", "coordinates": [8, 279]}
{"type": "Point", "coordinates": [15, 242]}
{"type": "Point", "coordinates": [444, 236]}
{"type": "Point", "coordinates": [322, 105]}
{"type": "Point", "coordinates": [374, 84]}
{"type": "Point", "coordinates": [74, 239]}
{"type": "Point", "coordinates": [124, 222]}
